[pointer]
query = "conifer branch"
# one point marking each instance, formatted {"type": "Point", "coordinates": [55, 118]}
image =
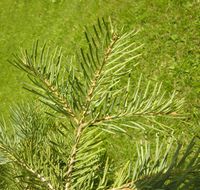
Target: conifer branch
{"type": "Point", "coordinates": [31, 65]}
{"type": "Point", "coordinates": [55, 92]}
{"type": "Point", "coordinates": [120, 116]}
{"type": "Point", "coordinates": [90, 95]}
{"type": "Point", "coordinates": [82, 122]}
{"type": "Point", "coordinates": [99, 71]}
{"type": "Point", "coordinates": [73, 156]}
{"type": "Point", "coordinates": [37, 175]}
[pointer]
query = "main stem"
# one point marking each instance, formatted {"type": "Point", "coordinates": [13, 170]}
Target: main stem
{"type": "Point", "coordinates": [82, 124]}
{"type": "Point", "coordinates": [73, 155]}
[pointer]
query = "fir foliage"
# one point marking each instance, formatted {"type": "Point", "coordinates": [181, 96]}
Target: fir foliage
{"type": "Point", "coordinates": [86, 96]}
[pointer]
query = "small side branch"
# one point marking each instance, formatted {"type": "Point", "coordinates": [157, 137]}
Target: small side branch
{"type": "Point", "coordinates": [40, 177]}
{"type": "Point", "coordinates": [37, 175]}
{"type": "Point", "coordinates": [55, 92]}
{"type": "Point", "coordinates": [98, 121]}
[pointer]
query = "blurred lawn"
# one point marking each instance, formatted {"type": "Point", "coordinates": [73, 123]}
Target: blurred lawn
{"type": "Point", "coordinates": [170, 31]}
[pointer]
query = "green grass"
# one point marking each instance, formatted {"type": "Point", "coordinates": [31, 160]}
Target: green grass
{"type": "Point", "coordinates": [168, 29]}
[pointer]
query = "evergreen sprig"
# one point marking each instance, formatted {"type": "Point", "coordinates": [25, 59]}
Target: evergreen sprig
{"type": "Point", "coordinates": [88, 96]}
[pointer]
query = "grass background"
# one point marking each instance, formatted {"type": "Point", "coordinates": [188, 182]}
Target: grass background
{"type": "Point", "coordinates": [169, 29]}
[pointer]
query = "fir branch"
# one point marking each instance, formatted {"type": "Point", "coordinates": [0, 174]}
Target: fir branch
{"type": "Point", "coordinates": [99, 72]}
{"type": "Point", "coordinates": [36, 67]}
{"type": "Point", "coordinates": [160, 170]}
{"type": "Point", "coordinates": [99, 121]}
{"type": "Point", "coordinates": [73, 156]}
{"type": "Point", "coordinates": [37, 175]}
{"type": "Point", "coordinates": [61, 99]}
{"type": "Point", "coordinates": [91, 95]}
{"type": "Point", "coordinates": [82, 122]}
